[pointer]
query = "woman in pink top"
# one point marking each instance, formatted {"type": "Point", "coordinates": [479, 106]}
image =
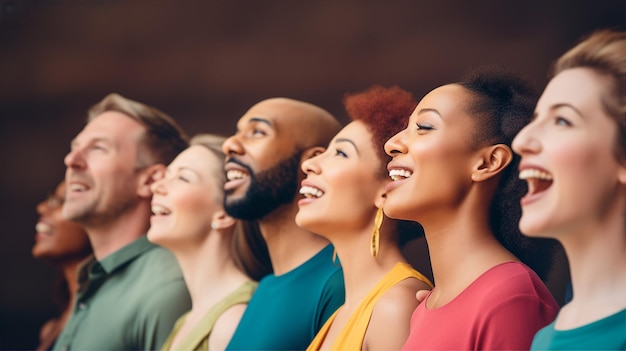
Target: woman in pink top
{"type": "Point", "coordinates": [453, 171]}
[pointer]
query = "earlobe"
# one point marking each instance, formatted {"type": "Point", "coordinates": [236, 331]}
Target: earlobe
{"type": "Point", "coordinates": [221, 220]}
{"type": "Point", "coordinates": [621, 175]}
{"type": "Point", "coordinates": [148, 176]}
{"type": "Point", "coordinates": [492, 161]}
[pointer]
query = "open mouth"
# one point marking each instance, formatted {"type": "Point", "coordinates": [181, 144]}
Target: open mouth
{"type": "Point", "coordinates": [159, 210]}
{"type": "Point", "coordinates": [43, 228]}
{"type": "Point", "coordinates": [399, 174]}
{"type": "Point", "coordinates": [236, 174]}
{"type": "Point", "coordinates": [311, 192]}
{"type": "Point", "coordinates": [538, 180]}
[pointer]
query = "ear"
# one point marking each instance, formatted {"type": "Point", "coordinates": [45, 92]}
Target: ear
{"type": "Point", "coordinates": [221, 220]}
{"type": "Point", "coordinates": [621, 174]}
{"type": "Point", "coordinates": [381, 196]}
{"type": "Point", "coordinates": [491, 161]}
{"type": "Point", "coordinates": [148, 176]}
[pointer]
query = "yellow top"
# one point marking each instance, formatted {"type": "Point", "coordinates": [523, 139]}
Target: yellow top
{"type": "Point", "coordinates": [198, 338]}
{"type": "Point", "coordinates": [351, 337]}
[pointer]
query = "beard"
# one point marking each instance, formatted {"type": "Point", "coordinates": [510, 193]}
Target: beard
{"type": "Point", "coordinates": [268, 190]}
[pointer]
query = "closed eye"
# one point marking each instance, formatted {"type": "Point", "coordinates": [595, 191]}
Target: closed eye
{"type": "Point", "coordinates": [424, 126]}
{"type": "Point", "coordinates": [340, 153]}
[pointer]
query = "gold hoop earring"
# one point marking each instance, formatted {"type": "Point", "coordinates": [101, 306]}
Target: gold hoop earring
{"type": "Point", "coordinates": [375, 242]}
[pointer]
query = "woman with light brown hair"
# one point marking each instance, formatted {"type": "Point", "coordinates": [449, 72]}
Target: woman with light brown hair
{"type": "Point", "coordinates": [574, 160]}
{"type": "Point", "coordinates": [221, 258]}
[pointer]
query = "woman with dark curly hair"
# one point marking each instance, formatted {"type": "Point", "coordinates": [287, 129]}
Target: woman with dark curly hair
{"type": "Point", "coordinates": [344, 193]}
{"type": "Point", "coordinates": [574, 160]}
{"type": "Point", "coordinates": [454, 172]}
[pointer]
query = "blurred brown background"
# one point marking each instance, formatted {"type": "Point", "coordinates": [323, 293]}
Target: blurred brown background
{"type": "Point", "coordinates": [206, 62]}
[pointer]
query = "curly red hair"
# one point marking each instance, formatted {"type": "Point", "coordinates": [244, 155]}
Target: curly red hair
{"type": "Point", "coordinates": [385, 112]}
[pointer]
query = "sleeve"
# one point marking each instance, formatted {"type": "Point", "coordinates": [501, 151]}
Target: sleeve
{"type": "Point", "coordinates": [332, 298]}
{"type": "Point", "coordinates": [160, 312]}
{"type": "Point", "coordinates": [513, 323]}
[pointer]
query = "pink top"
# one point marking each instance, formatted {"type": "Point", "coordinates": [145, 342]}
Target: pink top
{"type": "Point", "coordinates": [501, 310]}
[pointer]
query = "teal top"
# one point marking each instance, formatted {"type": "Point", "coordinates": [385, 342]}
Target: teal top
{"type": "Point", "coordinates": [605, 334]}
{"type": "Point", "coordinates": [127, 301]}
{"type": "Point", "coordinates": [286, 311]}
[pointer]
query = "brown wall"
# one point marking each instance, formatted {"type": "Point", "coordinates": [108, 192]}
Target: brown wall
{"type": "Point", "coordinates": [206, 62]}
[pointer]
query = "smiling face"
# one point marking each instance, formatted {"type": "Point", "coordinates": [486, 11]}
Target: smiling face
{"type": "Point", "coordinates": [58, 239]}
{"type": "Point", "coordinates": [101, 173]}
{"type": "Point", "coordinates": [186, 198]}
{"type": "Point", "coordinates": [263, 160]}
{"type": "Point", "coordinates": [432, 159]}
{"type": "Point", "coordinates": [345, 176]}
{"type": "Point", "coordinates": [568, 157]}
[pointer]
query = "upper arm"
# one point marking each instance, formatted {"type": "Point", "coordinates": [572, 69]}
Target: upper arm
{"type": "Point", "coordinates": [225, 327]}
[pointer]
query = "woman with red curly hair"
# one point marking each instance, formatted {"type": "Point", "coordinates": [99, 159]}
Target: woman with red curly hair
{"type": "Point", "coordinates": [344, 194]}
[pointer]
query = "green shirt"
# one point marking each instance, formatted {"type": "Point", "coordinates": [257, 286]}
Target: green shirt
{"type": "Point", "coordinates": [127, 301]}
{"type": "Point", "coordinates": [605, 334]}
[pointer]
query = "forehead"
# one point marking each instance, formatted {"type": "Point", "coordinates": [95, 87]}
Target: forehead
{"type": "Point", "coordinates": [112, 125]}
{"type": "Point", "coordinates": [198, 157]}
{"type": "Point", "coordinates": [357, 132]}
{"type": "Point", "coordinates": [276, 113]}
{"type": "Point", "coordinates": [579, 87]}
{"type": "Point", "coordinates": [446, 99]}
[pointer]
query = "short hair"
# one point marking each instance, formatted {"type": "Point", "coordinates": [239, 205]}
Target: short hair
{"type": "Point", "coordinates": [605, 52]}
{"type": "Point", "coordinates": [163, 139]}
{"type": "Point", "coordinates": [248, 249]}
{"type": "Point", "coordinates": [385, 112]}
{"type": "Point", "coordinates": [502, 104]}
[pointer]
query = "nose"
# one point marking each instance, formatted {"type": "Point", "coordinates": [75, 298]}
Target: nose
{"type": "Point", "coordinates": [395, 145]}
{"type": "Point", "coordinates": [158, 186]}
{"type": "Point", "coordinates": [311, 165]}
{"type": "Point", "coordinates": [232, 146]}
{"type": "Point", "coordinates": [74, 159]}
{"type": "Point", "coordinates": [526, 142]}
{"type": "Point", "coordinates": [42, 207]}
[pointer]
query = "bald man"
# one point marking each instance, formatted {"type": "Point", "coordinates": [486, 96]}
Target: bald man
{"type": "Point", "coordinates": [263, 169]}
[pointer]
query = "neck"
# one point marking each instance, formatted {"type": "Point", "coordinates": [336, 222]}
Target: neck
{"type": "Point", "coordinates": [461, 247]}
{"type": "Point", "coordinates": [361, 271]}
{"type": "Point", "coordinates": [288, 245]}
{"type": "Point", "coordinates": [108, 237]}
{"type": "Point", "coordinates": [597, 257]}
{"type": "Point", "coordinates": [209, 271]}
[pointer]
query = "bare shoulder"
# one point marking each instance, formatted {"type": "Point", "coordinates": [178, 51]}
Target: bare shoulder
{"type": "Point", "coordinates": [389, 324]}
{"type": "Point", "coordinates": [225, 327]}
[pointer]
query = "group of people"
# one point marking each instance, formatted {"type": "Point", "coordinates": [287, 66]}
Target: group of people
{"type": "Point", "coordinates": [288, 235]}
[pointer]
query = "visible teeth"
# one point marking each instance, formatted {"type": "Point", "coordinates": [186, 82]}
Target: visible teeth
{"type": "Point", "coordinates": [397, 174]}
{"type": "Point", "coordinates": [160, 210]}
{"type": "Point", "coordinates": [534, 173]}
{"type": "Point", "coordinates": [42, 228]}
{"type": "Point", "coordinates": [77, 187]}
{"type": "Point", "coordinates": [235, 174]}
{"type": "Point", "coordinates": [310, 192]}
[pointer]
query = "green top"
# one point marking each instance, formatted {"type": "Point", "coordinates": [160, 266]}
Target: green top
{"type": "Point", "coordinates": [605, 334]}
{"type": "Point", "coordinates": [198, 337]}
{"type": "Point", "coordinates": [127, 301]}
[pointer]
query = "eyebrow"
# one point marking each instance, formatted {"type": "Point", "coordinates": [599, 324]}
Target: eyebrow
{"type": "Point", "coordinates": [344, 140]}
{"type": "Point", "coordinates": [260, 120]}
{"type": "Point", "coordinates": [425, 110]}
{"type": "Point", "coordinates": [557, 106]}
